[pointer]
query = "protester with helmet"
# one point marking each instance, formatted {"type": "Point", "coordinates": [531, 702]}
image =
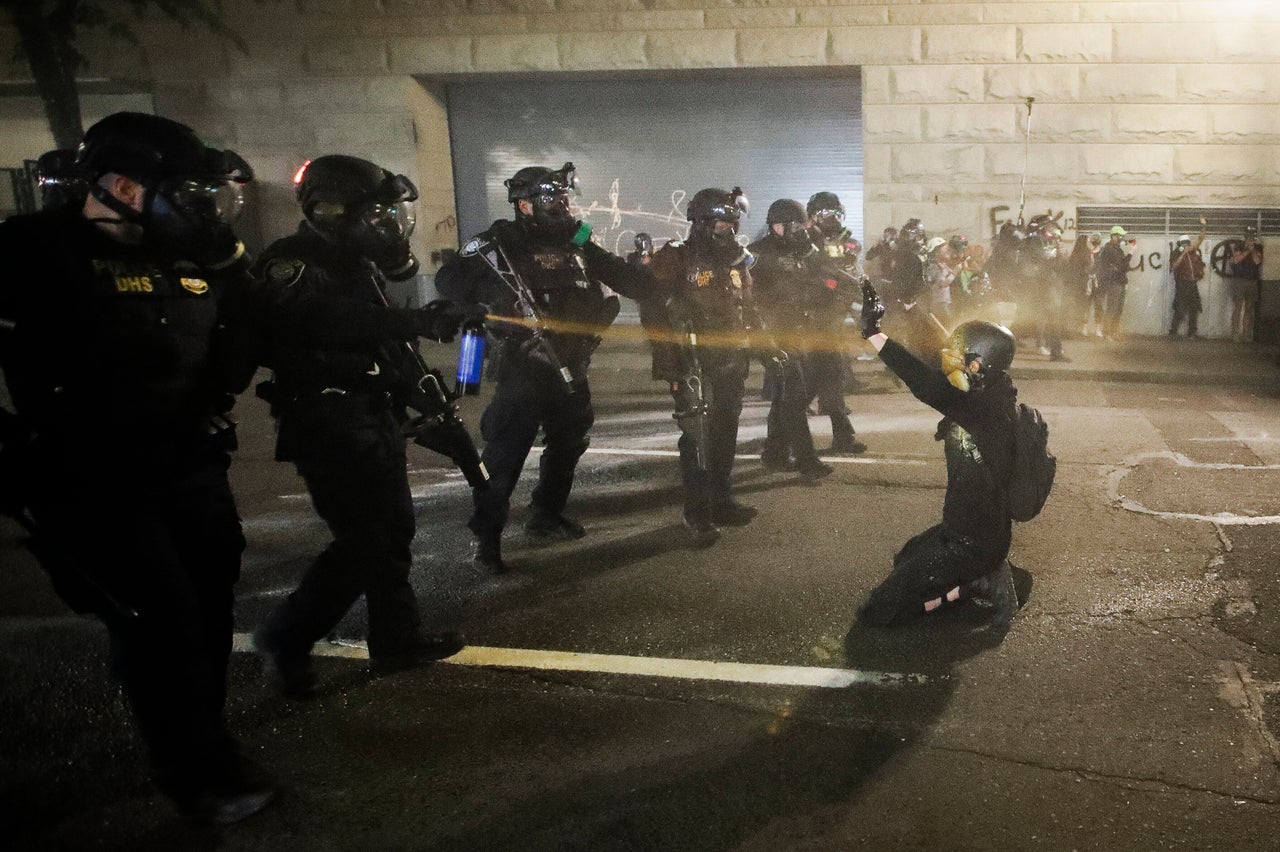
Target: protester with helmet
{"type": "Point", "coordinates": [1112, 268]}
{"type": "Point", "coordinates": [966, 555]}
{"type": "Point", "coordinates": [790, 286]}
{"type": "Point", "coordinates": [121, 373]}
{"type": "Point", "coordinates": [827, 366]}
{"type": "Point", "coordinates": [338, 422]}
{"type": "Point", "coordinates": [939, 276]}
{"type": "Point", "coordinates": [703, 340]}
{"type": "Point", "coordinates": [1186, 264]}
{"type": "Point", "coordinates": [552, 286]}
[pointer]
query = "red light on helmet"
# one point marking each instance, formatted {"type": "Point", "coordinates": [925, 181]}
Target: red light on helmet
{"type": "Point", "coordinates": [302, 170]}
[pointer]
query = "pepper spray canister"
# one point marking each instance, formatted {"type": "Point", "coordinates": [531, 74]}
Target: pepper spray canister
{"type": "Point", "coordinates": [470, 360]}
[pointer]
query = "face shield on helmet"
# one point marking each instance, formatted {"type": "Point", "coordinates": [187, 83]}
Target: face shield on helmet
{"type": "Point", "coordinates": [715, 214]}
{"type": "Point", "coordinates": [193, 193]}
{"type": "Point", "coordinates": [826, 213]}
{"type": "Point", "coordinates": [361, 205]}
{"type": "Point", "coordinates": [549, 194]}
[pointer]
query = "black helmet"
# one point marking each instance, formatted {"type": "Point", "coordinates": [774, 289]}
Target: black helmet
{"type": "Point", "coordinates": [784, 211]}
{"type": "Point", "coordinates": [149, 148]}
{"type": "Point", "coordinates": [532, 181]}
{"type": "Point", "coordinates": [993, 344]}
{"type": "Point", "coordinates": [193, 192]}
{"type": "Point", "coordinates": [337, 185]}
{"type": "Point", "coordinates": [716, 205]}
{"type": "Point", "coordinates": [358, 203]}
{"type": "Point", "coordinates": [821, 202]}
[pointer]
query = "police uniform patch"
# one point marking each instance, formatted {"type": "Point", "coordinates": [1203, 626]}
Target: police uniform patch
{"type": "Point", "coordinates": [194, 285]}
{"type": "Point", "coordinates": [284, 270]}
{"type": "Point", "coordinates": [735, 278]}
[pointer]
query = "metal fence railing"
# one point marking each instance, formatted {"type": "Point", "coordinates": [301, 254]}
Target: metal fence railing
{"type": "Point", "coordinates": [18, 189]}
{"type": "Point", "coordinates": [1180, 220]}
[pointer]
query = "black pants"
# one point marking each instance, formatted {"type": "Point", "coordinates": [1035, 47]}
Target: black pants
{"type": "Point", "coordinates": [527, 397]}
{"type": "Point", "coordinates": [723, 384]}
{"type": "Point", "coordinates": [928, 566]}
{"type": "Point", "coordinates": [1113, 307]}
{"type": "Point", "coordinates": [164, 542]}
{"type": "Point", "coordinates": [359, 485]}
{"type": "Point", "coordinates": [788, 422]}
{"type": "Point", "coordinates": [825, 373]}
{"type": "Point", "coordinates": [1186, 303]}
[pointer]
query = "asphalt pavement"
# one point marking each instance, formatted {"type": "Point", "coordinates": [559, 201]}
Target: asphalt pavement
{"type": "Point", "coordinates": [630, 692]}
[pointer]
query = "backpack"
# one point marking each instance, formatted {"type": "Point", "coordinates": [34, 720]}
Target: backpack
{"type": "Point", "coordinates": [1033, 465]}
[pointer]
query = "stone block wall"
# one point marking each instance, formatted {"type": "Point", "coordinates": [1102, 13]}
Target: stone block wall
{"type": "Point", "coordinates": [1171, 102]}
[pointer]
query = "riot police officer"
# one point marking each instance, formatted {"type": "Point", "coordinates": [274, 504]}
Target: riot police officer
{"type": "Point", "coordinates": [544, 275]}
{"type": "Point", "coordinates": [826, 366]}
{"type": "Point", "coordinates": [703, 352]}
{"type": "Point", "coordinates": [790, 285]}
{"type": "Point", "coordinates": [120, 356]}
{"type": "Point", "coordinates": [339, 424]}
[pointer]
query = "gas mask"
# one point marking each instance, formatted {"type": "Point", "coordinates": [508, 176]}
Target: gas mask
{"type": "Point", "coordinates": [361, 206]}
{"type": "Point", "coordinates": [551, 219]}
{"type": "Point", "coordinates": [548, 192]}
{"type": "Point", "coordinates": [193, 217]}
{"type": "Point", "coordinates": [830, 224]}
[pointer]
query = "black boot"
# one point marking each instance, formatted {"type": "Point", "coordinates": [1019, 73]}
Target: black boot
{"type": "Point", "coordinates": [487, 553]}
{"type": "Point", "coordinates": [842, 436]}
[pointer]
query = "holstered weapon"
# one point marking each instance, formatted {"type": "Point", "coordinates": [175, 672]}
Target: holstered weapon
{"type": "Point", "coordinates": [691, 402]}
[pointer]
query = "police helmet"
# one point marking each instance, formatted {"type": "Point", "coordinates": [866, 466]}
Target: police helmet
{"type": "Point", "coordinates": [958, 243]}
{"type": "Point", "coordinates": [150, 148]}
{"type": "Point", "coordinates": [784, 211]}
{"type": "Point", "coordinates": [824, 202]}
{"type": "Point", "coordinates": [362, 205]}
{"type": "Point", "coordinates": [336, 186]}
{"type": "Point", "coordinates": [534, 181]}
{"type": "Point", "coordinates": [994, 344]}
{"type": "Point", "coordinates": [913, 230]}
{"type": "Point", "coordinates": [717, 205]}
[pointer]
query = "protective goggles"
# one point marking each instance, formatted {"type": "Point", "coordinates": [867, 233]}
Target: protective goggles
{"type": "Point", "coordinates": [396, 220]}
{"type": "Point", "coordinates": [208, 199]}
{"type": "Point", "coordinates": [836, 214]}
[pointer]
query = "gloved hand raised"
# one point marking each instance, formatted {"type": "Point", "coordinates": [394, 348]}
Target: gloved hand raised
{"type": "Point", "coordinates": [872, 310]}
{"type": "Point", "coordinates": [441, 319]}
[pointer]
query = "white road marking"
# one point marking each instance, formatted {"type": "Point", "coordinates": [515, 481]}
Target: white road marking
{"type": "Point", "coordinates": [610, 451]}
{"type": "Point", "coordinates": [1117, 474]}
{"type": "Point", "coordinates": [523, 658]}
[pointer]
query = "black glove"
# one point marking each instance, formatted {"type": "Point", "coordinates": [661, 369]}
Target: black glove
{"type": "Point", "coordinates": [441, 319]}
{"type": "Point", "coordinates": [872, 310]}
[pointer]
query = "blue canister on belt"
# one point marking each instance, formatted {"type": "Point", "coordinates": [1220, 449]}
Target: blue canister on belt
{"type": "Point", "coordinates": [470, 360]}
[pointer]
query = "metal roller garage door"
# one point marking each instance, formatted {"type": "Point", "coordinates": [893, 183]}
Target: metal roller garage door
{"type": "Point", "coordinates": [644, 145]}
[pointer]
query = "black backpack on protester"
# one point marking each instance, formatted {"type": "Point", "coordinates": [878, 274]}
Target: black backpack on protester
{"type": "Point", "coordinates": [1033, 465]}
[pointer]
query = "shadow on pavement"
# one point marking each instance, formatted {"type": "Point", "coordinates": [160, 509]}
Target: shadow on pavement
{"type": "Point", "coordinates": [793, 777]}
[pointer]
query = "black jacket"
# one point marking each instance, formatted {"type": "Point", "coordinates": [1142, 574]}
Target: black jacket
{"type": "Point", "coordinates": [104, 345]}
{"type": "Point", "coordinates": [979, 443]}
{"type": "Point", "coordinates": [567, 284]}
